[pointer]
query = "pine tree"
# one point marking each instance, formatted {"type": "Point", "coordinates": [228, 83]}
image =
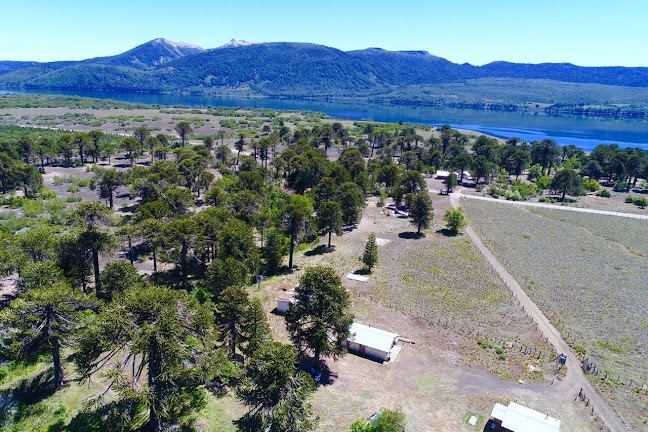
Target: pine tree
{"type": "Point", "coordinates": [257, 328]}
{"type": "Point", "coordinates": [370, 256]}
{"type": "Point", "coordinates": [420, 210]}
{"type": "Point", "coordinates": [320, 319]}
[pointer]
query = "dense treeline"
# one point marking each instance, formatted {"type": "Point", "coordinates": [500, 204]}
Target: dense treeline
{"type": "Point", "coordinates": [219, 218]}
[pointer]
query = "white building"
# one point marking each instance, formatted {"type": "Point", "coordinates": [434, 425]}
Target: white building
{"type": "Point", "coordinates": [442, 175]}
{"type": "Point", "coordinates": [370, 341]}
{"type": "Point", "coordinates": [285, 300]}
{"type": "Point", "coordinates": [517, 418]}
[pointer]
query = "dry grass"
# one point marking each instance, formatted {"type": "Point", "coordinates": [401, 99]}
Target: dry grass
{"type": "Point", "coordinates": [588, 273]}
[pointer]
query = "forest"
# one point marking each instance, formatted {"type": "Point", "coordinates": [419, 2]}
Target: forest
{"type": "Point", "coordinates": [217, 214]}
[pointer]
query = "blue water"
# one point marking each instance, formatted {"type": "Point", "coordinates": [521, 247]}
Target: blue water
{"type": "Point", "coordinates": [586, 133]}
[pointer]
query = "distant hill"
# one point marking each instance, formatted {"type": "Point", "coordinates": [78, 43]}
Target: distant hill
{"type": "Point", "coordinates": [314, 71]}
{"type": "Point", "coordinates": [149, 55]}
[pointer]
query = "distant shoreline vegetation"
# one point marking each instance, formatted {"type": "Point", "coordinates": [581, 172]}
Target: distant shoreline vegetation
{"type": "Point", "coordinates": [629, 112]}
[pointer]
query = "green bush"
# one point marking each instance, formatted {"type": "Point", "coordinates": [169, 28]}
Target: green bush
{"type": "Point", "coordinates": [47, 194]}
{"type": "Point", "coordinates": [73, 188]}
{"type": "Point", "coordinates": [604, 193]}
{"type": "Point", "coordinates": [33, 208]}
{"type": "Point", "coordinates": [495, 192]}
{"type": "Point", "coordinates": [74, 198]}
{"type": "Point", "coordinates": [543, 182]}
{"type": "Point", "coordinates": [513, 195]}
{"type": "Point", "coordinates": [591, 185]}
{"type": "Point", "coordinates": [622, 186]}
{"type": "Point", "coordinates": [638, 201]}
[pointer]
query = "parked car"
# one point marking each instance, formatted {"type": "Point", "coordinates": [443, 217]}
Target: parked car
{"type": "Point", "coordinates": [317, 376]}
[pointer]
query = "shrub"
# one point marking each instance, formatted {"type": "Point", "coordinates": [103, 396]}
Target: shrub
{"type": "Point", "coordinates": [47, 194]}
{"type": "Point", "coordinates": [638, 201]}
{"type": "Point", "coordinates": [535, 172]}
{"type": "Point", "coordinates": [74, 198]}
{"type": "Point", "coordinates": [513, 195]}
{"type": "Point", "coordinates": [543, 182]}
{"type": "Point", "coordinates": [73, 188]}
{"type": "Point", "coordinates": [83, 182]}
{"type": "Point", "coordinates": [622, 186]}
{"type": "Point", "coordinates": [495, 192]}
{"type": "Point", "coordinates": [591, 185]}
{"type": "Point", "coordinates": [604, 193]}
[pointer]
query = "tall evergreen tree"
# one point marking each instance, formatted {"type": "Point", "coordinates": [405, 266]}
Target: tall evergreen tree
{"type": "Point", "coordinates": [370, 255]}
{"type": "Point", "coordinates": [44, 319]}
{"type": "Point", "coordinates": [320, 319]}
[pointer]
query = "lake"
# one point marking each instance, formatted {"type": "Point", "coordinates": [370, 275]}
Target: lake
{"type": "Point", "coordinates": [586, 133]}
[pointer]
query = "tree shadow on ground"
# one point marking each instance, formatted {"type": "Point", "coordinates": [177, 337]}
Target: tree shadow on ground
{"type": "Point", "coordinates": [362, 272]}
{"type": "Point", "coordinates": [328, 376]}
{"type": "Point", "coordinates": [320, 250]}
{"type": "Point", "coordinates": [410, 235]}
{"type": "Point", "coordinates": [112, 416]}
{"type": "Point", "coordinates": [448, 233]}
{"type": "Point", "coordinates": [33, 390]}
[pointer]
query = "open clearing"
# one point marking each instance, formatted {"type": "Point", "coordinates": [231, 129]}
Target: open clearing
{"type": "Point", "coordinates": [588, 274]}
{"type": "Point", "coordinates": [445, 374]}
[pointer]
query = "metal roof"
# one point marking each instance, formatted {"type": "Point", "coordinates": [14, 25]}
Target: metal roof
{"type": "Point", "coordinates": [372, 337]}
{"type": "Point", "coordinates": [287, 296]}
{"type": "Point", "coordinates": [518, 418]}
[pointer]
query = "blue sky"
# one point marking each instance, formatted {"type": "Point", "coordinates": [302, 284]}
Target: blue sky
{"type": "Point", "coordinates": [594, 32]}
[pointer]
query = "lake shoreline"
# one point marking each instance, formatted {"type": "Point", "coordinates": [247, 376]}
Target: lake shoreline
{"type": "Point", "coordinates": [583, 132]}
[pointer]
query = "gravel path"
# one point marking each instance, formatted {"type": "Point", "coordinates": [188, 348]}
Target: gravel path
{"type": "Point", "coordinates": [551, 206]}
{"type": "Point", "coordinates": [575, 378]}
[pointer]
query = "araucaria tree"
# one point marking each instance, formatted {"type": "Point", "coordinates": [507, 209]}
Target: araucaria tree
{"type": "Point", "coordinates": [329, 219]}
{"type": "Point", "coordinates": [231, 315]}
{"type": "Point", "coordinates": [296, 221]}
{"type": "Point", "coordinates": [162, 334]}
{"type": "Point", "coordinates": [420, 210]}
{"type": "Point", "coordinates": [90, 216]}
{"type": "Point", "coordinates": [320, 319]}
{"type": "Point", "coordinates": [43, 320]}
{"type": "Point", "coordinates": [370, 255]}
{"type": "Point", "coordinates": [275, 393]}
{"type": "Point", "coordinates": [183, 128]}
{"type": "Point", "coordinates": [567, 181]}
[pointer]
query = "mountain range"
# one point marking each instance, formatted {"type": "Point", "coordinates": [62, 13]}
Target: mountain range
{"type": "Point", "coordinates": [304, 70]}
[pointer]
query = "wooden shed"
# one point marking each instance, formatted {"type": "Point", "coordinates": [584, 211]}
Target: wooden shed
{"type": "Point", "coordinates": [370, 342]}
{"type": "Point", "coordinates": [285, 300]}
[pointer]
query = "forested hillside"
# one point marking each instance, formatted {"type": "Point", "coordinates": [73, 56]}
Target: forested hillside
{"type": "Point", "coordinates": [314, 71]}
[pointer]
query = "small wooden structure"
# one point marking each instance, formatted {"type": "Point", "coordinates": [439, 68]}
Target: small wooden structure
{"type": "Point", "coordinates": [285, 300]}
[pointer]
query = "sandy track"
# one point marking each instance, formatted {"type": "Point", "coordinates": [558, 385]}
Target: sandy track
{"type": "Point", "coordinates": [551, 206]}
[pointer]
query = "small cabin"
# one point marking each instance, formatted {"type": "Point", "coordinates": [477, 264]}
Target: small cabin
{"type": "Point", "coordinates": [442, 175]}
{"type": "Point", "coordinates": [518, 418]}
{"type": "Point", "coordinates": [285, 300]}
{"type": "Point", "coordinates": [370, 342]}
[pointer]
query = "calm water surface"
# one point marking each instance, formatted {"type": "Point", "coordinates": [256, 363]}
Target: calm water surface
{"type": "Point", "coordinates": [586, 133]}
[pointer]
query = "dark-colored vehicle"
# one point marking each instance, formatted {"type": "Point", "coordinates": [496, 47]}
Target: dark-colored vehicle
{"type": "Point", "coordinates": [317, 376]}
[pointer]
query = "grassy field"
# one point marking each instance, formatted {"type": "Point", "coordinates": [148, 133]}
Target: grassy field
{"type": "Point", "coordinates": [588, 273]}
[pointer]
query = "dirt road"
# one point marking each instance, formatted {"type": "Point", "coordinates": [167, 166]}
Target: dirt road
{"type": "Point", "coordinates": [575, 378]}
{"type": "Point", "coordinates": [552, 206]}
